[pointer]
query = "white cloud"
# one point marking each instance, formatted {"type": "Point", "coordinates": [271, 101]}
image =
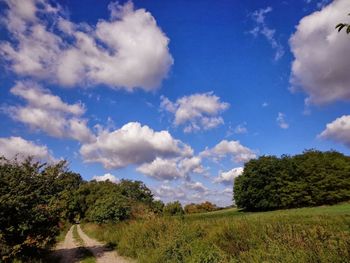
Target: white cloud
{"type": "Point", "coordinates": [241, 128]}
{"type": "Point", "coordinates": [198, 111]}
{"type": "Point", "coordinates": [127, 51]}
{"type": "Point", "coordinates": [191, 191]}
{"type": "Point", "coordinates": [338, 130]}
{"type": "Point", "coordinates": [235, 149]}
{"type": "Point", "coordinates": [172, 168]}
{"type": "Point", "coordinates": [281, 121]}
{"type": "Point", "coordinates": [47, 112]}
{"type": "Point", "coordinates": [132, 144]}
{"type": "Point", "coordinates": [110, 177]}
{"type": "Point", "coordinates": [170, 193]}
{"type": "Point", "coordinates": [161, 169]}
{"type": "Point", "coordinates": [12, 147]}
{"type": "Point", "coordinates": [322, 55]}
{"type": "Point", "coordinates": [261, 28]}
{"type": "Point", "coordinates": [228, 177]}
{"type": "Point", "coordinates": [196, 186]}
{"type": "Point", "coordinates": [38, 97]}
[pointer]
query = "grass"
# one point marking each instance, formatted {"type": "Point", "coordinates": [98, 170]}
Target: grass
{"type": "Point", "coordinates": [319, 234]}
{"type": "Point", "coordinates": [84, 254]}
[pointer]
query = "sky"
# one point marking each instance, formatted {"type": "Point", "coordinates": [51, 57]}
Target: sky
{"type": "Point", "coordinates": [177, 94]}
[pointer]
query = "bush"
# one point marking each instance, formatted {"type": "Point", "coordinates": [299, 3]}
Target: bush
{"type": "Point", "coordinates": [200, 208]}
{"type": "Point", "coordinates": [173, 208]}
{"type": "Point", "coordinates": [29, 210]}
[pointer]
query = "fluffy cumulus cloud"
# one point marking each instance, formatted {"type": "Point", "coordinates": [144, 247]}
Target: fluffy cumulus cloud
{"type": "Point", "coordinates": [106, 177]}
{"type": "Point", "coordinates": [132, 144]}
{"type": "Point", "coordinates": [338, 130]}
{"type": "Point", "coordinates": [229, 176]}
{"type": "Point", "coordinates": [172, 168]}
{"type": "Point", "coordinates": [281, 121]}
{"type": "Point", "coordinates": [47, 112]}
{"type": "Point", "coordinates": [161, 169]}
{"type": "Point", "coordinates": [196, 112]}
{"type": "Point", "coordinates": [126, 51]}
{"type": "Point", "coordinates": [261, 28]}
{"type": "Point", "coordinates": [193, 191]}
{"type": "Point", "coordinates": [322, 55]}
{"type": "Point", "coordinates": [17, 147]}
{"type": "Point", "coordinates": [235, 149]}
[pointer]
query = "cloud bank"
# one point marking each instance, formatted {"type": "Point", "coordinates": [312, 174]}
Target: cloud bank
{"type": "Point", "coordinates": [127, 51]}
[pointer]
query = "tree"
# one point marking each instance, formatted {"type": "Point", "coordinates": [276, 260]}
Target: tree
{"type": "Point", "coordinates": [308, 179]}
{"type": "Point", "coordinates": [29, 210]}
{"type": "Point", "coordinates": [173, 208]}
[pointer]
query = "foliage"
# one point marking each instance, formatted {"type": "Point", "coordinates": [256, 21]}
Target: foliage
{"type": "Point", "coordinates": [173, 208]}
{"type": "Point", "coordinates": [345, 26]}
{"type": "Point", "coordinates": [37, 198]}
{"type": "Point", "coordinates": [319, 234]}
{"type": "Point", "coordinates": [106, 201]}
{"type": "Point", "coordinates": [29, 208]}
{"type": "Point", "coordinates": [308, 179]}
{"type": "Point", "coordinates": [200, 208]}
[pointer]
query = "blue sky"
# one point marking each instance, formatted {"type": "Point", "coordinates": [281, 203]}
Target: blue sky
{"type": "Point", "coordinates": [178, 94]}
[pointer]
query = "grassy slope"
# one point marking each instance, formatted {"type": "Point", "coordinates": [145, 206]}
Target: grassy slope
{"type": "Point", "coordinates": [319, 234]}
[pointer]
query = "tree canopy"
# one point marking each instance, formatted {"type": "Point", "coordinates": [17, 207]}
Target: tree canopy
{"type": "Point", "coordinates": [308, 179]}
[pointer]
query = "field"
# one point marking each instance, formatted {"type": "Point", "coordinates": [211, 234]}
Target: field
{"type": "Point", "coordinates": [319, 234]}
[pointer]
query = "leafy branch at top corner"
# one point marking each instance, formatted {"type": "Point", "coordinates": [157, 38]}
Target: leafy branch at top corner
{"type": "Point", "coordinates": [340, 26]}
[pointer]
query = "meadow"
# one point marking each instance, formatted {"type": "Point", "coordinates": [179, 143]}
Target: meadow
{"type": "Point", "coordinates": [318, 234]}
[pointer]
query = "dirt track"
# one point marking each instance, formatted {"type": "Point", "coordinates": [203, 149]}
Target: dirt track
{"type": "Point", "coordinates": [68, 249]}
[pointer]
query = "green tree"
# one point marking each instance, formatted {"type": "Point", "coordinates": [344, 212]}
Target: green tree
{"type": "Point", "coordinates": [308, 179]}
{"type": "Point", "coordinates": [173, 208]}
{"type": "Point", "coordinates": [29, 210]}
{"type": "Point", "coordinates": [345, 26]}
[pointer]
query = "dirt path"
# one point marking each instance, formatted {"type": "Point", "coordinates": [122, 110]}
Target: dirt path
{"type": "Point", "coordinates": [99, 250]}
{"type": "Point", "coordinates": [67, 249]}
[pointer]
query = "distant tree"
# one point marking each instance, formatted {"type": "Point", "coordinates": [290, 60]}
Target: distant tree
{"type": "Point", "coordinates": [191, 208]}
{"type": "Point", "coordinates": [200, 208]}
{"type": "Point", "coordinates": [157, 207]}
{"type": "Point", "coordinates": [345, 26]}
{"type": "Point", "coordinates": [308, 179]}
{"type": "Point", "coordinates": [173, 208]}
{"type": "Point", "coordinates": [135, 190]}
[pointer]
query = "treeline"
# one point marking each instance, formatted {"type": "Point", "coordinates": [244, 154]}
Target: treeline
{"type": "Point", "coordinates": [200, 208]}
{"type": "Point", "coordinates": [308, 179]}
{"type": "Point", "coordinates": [36, 198]}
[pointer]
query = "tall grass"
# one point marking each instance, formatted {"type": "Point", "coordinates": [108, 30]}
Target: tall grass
{"type": "Point", "coordinates": [298, 235]}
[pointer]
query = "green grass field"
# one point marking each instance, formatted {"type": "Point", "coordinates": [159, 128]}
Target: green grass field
{"type": "Point", "coordinates": [319, 234]}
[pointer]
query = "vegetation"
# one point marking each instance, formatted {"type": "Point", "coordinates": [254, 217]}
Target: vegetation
{"type": "Point", "coordinates": [345, 26]}
{"type": "Point", "coordinates": [38, 200]}
{"type": "Point", "coordinates": [319, 234]}
{"type": "Point", "coordinates": [173, 208]}
{"type": "Point", "coordinates": [308, 179]}
{"type": "Point", "coordinates": [30, 205]}
{"type": "Point", "coordinates": [200, 208]}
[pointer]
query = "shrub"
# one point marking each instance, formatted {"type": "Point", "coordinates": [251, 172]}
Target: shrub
{"type": "Point", "coordinates": [29, 210]}
{"type": "Point", "coordinates": [173, 208]}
